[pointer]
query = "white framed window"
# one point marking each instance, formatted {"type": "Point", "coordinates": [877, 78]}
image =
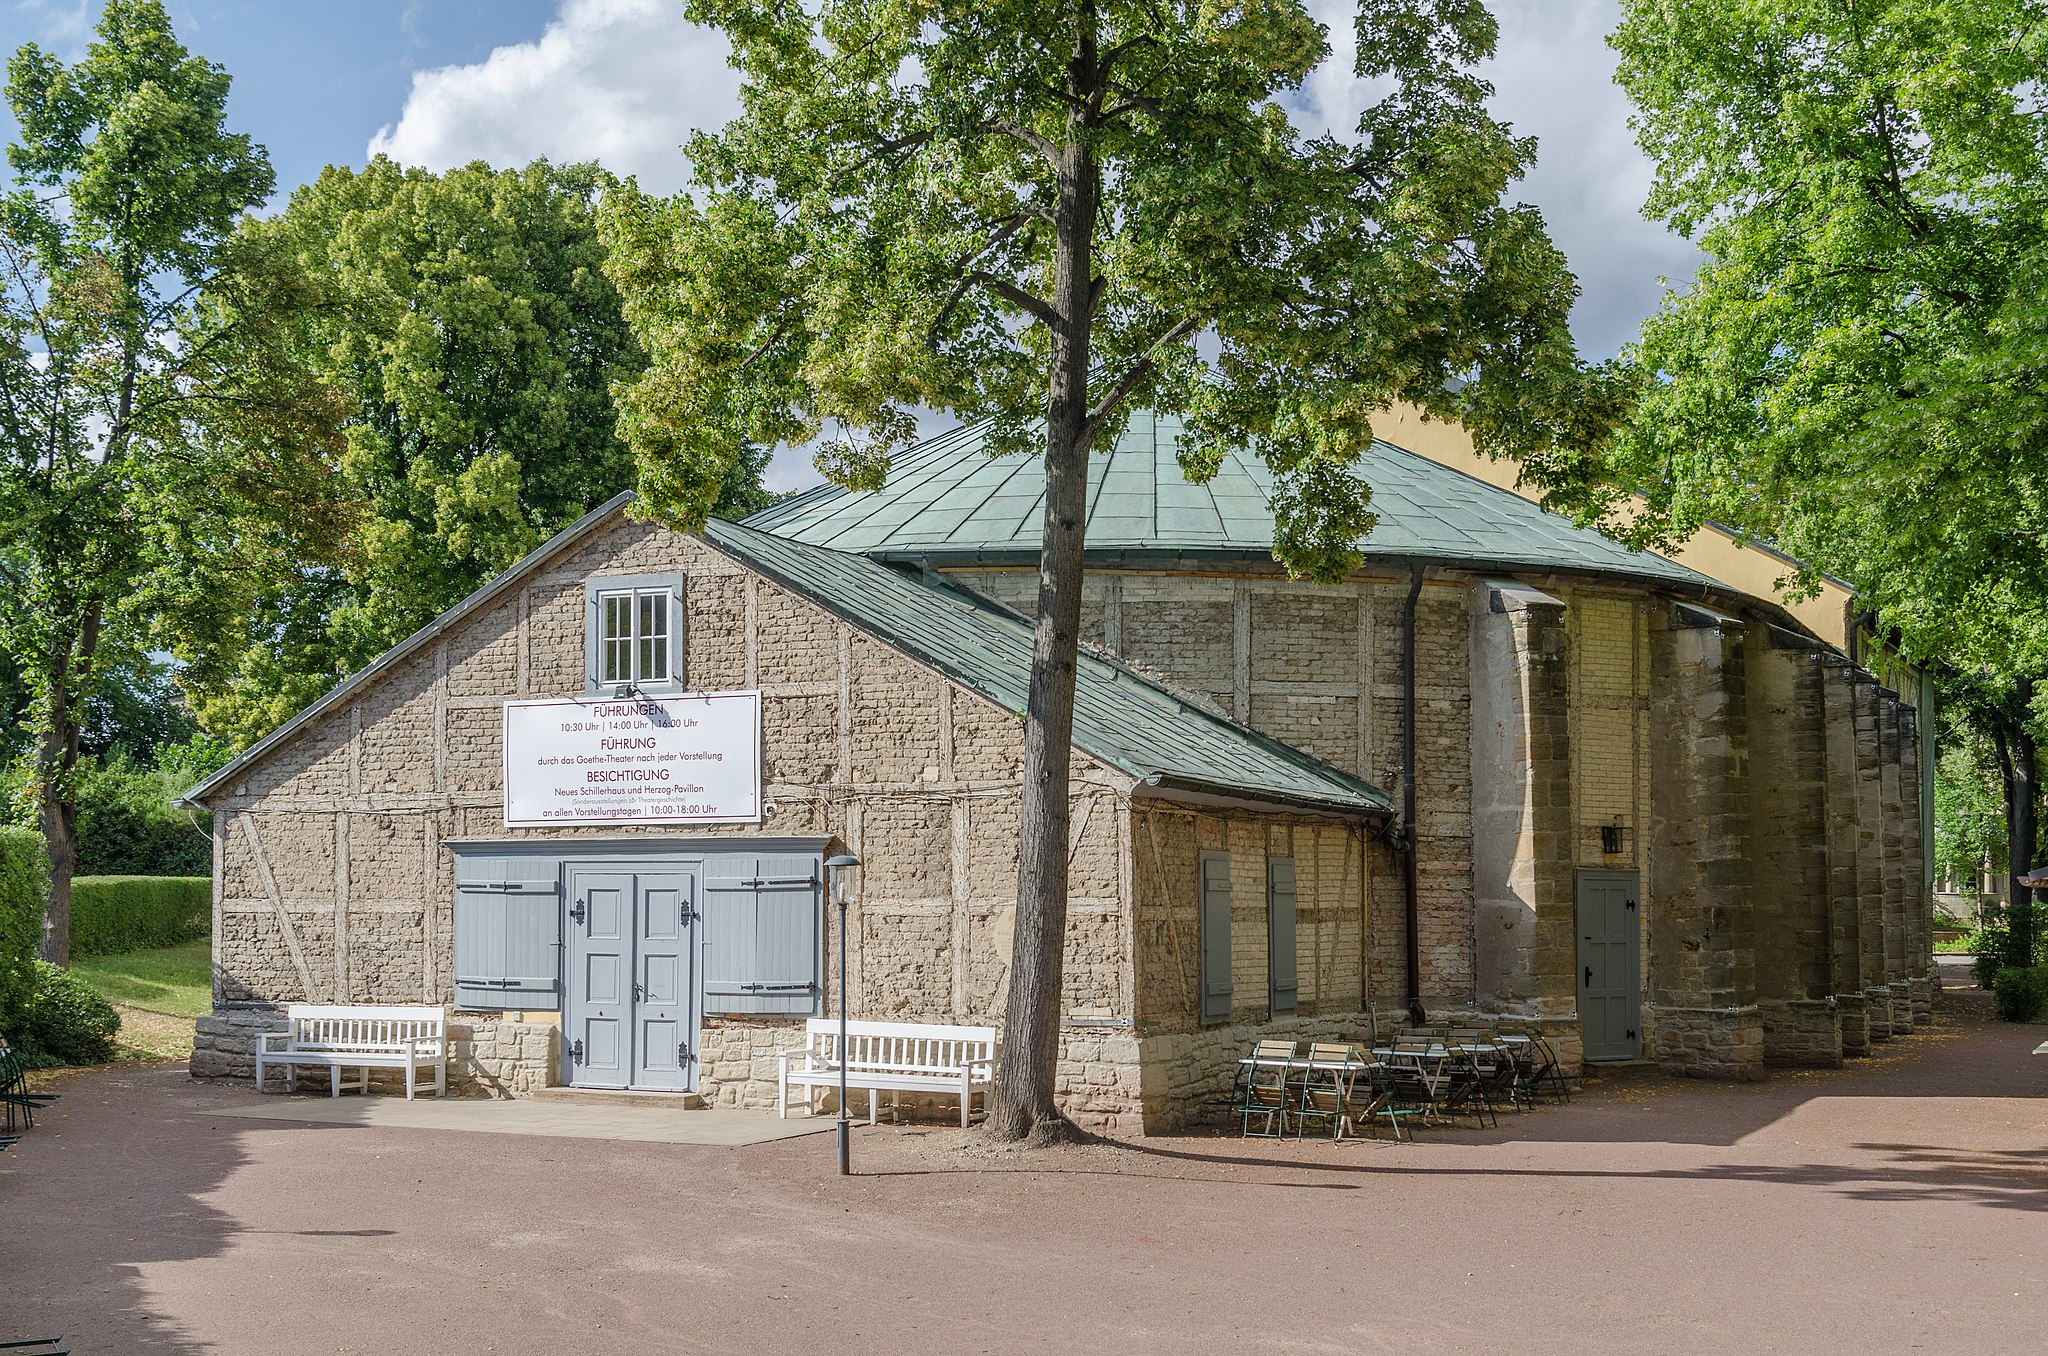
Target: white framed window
{"type": "Point", "coordinates": [634, 637]}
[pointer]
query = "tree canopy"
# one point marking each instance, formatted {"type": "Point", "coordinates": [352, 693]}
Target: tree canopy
{"type": "Point", "coordinates": [1859, 373]}
{"type": "Point", "coordinates": [1856, 374]}
{"type": "Point", "coordinates": [127, 187]}
{"type": "Point", "coordinates": [1030, 214]}
{"type": "Point", "coordinates": [468, 338]}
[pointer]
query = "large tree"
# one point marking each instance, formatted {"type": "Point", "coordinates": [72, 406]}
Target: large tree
{"type": "Point", "coordinates": [468, 338]}
{"type": "Point", "coordinates": [1038, 214]}
{"type": "Point", "coordinates": [1859, 372]}
{"type": "Point", "coordinates": [127, 188]}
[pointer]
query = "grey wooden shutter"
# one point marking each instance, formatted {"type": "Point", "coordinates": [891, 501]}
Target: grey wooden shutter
{"type": "Point", "coordinates": [1215, 886]}
{"type": "Point", "coordinates": [508, 932]}
{"type": "Point", "coordinates": [1282, 979]}
{"type": "Point", "coordinates": [761, 934]}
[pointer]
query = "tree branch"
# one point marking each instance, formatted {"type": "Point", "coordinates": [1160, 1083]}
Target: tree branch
{"type": "Point", "coordinates": [1024, 136]}
{"type": "Point", "coordinates": [1139, 370]}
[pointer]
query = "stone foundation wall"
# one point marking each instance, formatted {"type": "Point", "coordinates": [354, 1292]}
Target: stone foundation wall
{"type": "Point", "coordinates": [1801, 1032]}
{"type": "Point", "coordinates": [488, 1056]}
{"type": "Point", "coordinates": [1708, 1042]}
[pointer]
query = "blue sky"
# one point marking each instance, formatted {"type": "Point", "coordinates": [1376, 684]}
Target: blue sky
{"type": "Point", "coordinates": [623, 82]}
{"type": "Point", "coordinates": [314, 79]}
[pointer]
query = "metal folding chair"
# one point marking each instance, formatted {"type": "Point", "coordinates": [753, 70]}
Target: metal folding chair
{"type": "Point", "coordinates": [1268, 1086]}
{"type": "Point", "coordinates": [1325, 1079]}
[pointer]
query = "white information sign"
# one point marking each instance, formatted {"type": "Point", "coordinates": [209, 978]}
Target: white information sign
{"type": "Point", "coordinates": [688, 759]}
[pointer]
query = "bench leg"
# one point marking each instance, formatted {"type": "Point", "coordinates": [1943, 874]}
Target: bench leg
{"type": "Point", "coordinates": [966, 1099]}
{"type": "Point", "coordinates": [334, 1080]}
{"type": "Point", "coordinates": [412, 1074]}
{"type": "Point", "coordinates": [782, 1096]}
{"type": "Point", "coordinates": [441, 1075]}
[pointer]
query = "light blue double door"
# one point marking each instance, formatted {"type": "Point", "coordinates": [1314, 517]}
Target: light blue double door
{"type": "Point", "coordinates": [632, 1007]}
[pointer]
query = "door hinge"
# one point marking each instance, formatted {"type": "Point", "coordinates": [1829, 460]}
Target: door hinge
{"type": "Point", "coordinates": [576, 1053]}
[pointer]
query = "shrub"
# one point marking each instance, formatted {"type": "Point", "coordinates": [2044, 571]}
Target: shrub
{"type": "Point", "coordinates": [2020, 991]}
{"type": "Point", "coordinates": [112, 914]}
{"type": "Point", "coordinates": [24, 888]}
{"type": "Point", "coordinates": [68, 1022]}
{"type": "Point", "coordinates": [1985, 967]}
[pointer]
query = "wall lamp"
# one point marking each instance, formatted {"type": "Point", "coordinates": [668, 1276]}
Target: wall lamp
{"type": "Point", "coordinates": [1614, 837]}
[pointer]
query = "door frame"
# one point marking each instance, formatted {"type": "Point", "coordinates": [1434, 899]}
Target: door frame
{"type": "Point", "coordinates": [1631, 880]}
{"type": "Point", "coordinates": [633, 866]}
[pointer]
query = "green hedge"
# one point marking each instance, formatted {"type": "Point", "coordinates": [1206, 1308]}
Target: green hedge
{"type": "Point", "coordinates": [112, 914]}
{"type": "Point", "coordinates": [24, 888]}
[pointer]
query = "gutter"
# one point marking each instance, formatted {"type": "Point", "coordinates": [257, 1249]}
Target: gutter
{"type": "Point", "coordinates": [1192, 791]}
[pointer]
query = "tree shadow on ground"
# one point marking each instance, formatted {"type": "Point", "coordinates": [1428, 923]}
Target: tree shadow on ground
{"type": "Point", "coordinates": [92, 1199]}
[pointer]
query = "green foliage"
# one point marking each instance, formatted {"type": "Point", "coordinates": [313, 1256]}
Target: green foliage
{"type": "Point", "coordinates": [1969, 806]}
{"type": "Point", "coordinates": [469, 339]}
{"type": "Point", "coordinates": [67, 1022]}
{"type": "Point", "coordinates": [884, 226]}
{"type": "Point", "coordinates": [130, 825]}
{"type": "Point", "coordinates": [112, 914]}
{"type": "Point", "coordinates": [127, 188]}
{"type": "Point", "coordinates": [1998, 943]}
{"type": "Point", "coordinates": [1857, 372]}
{"type": "Point", "coordinates": [1987, 962]}
{"type": "Point", "coordinates": [24, 884]}
{"type": "Point", "coordinates": [128, 820]}
{"type": "Point", "coordinates": [2020, 992]}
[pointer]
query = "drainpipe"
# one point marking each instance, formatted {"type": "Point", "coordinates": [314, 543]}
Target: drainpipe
{"type": "Point", "coordinates": [1416, 1015]}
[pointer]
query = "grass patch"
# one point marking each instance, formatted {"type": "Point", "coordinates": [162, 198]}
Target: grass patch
{"type": "Point", "coordinates": [174, 981]}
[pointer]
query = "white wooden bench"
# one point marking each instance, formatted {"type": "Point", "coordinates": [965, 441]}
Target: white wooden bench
{"type": "Point", "coordinates": [360, 1038]}
{"type": "Point", "coordinates": [891, 1057]}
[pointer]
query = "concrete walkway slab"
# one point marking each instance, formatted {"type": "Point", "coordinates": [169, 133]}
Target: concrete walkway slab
{"type": "Point", "coordinates": [521, 1116]}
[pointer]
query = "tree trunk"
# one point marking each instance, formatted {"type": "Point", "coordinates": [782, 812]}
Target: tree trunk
{"type": "Point", "coordinates": [1022, 1104]}
{"type": "Point", "coordinates": [2022, 825]}
{"type": "Point", "coordinates": [57, 758]}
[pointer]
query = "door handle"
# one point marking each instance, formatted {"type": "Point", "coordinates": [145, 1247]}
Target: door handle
{"type": "Point", "coordinates": [1589, 976]}
{"type": "Point", "coordinates": [576, 914]}
{"type": "Point", "coordinates": [638, 993]}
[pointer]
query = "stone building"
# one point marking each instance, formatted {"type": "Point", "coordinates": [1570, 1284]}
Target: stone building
{"type": "Point", "coordinates": [1651, 814]}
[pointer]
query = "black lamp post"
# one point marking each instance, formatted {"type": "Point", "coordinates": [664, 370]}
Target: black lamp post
{"type": "Point", "coordinates": [835, 876]}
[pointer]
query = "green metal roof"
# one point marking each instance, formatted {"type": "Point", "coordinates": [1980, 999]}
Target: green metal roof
{"type": "Point", "coordinates": [1126, 720]}
{"type": "Point", "coordinates": [949, 502]}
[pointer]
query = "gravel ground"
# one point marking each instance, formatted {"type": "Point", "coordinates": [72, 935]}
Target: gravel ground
{"type": "Point", "coordinates": [1897, 1205]}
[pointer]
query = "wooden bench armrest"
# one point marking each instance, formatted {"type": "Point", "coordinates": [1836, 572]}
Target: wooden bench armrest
{"type": "Point", "coordinates": [432, 1041]}
{"type": "Point", "coordinates": [265, 1038]}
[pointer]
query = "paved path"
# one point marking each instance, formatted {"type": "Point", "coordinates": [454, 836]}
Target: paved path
{"type": "Point", "coordinates": [550, 1119]}
{"type": "Point", "coordinates": [1899, 1205]}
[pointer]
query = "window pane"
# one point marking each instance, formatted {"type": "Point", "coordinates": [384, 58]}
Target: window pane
{"type": "Point", "coordinates": [618, 637]}
{"type": "Point", "coordinates": [654, 637]}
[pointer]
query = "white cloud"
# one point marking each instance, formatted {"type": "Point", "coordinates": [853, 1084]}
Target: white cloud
{"type": "Point", "coordinates": [63, 26]}
{"type": "Point", "coordinates": [621, 82]}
